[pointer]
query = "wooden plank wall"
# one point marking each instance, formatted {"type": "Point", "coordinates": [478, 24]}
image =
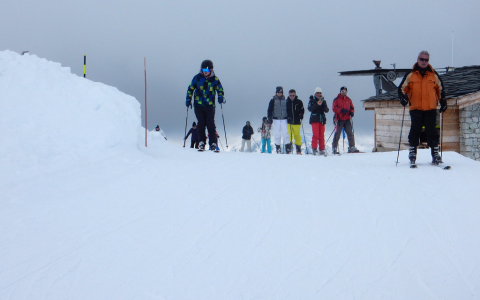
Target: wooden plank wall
{"type": "Point", "coordinates": [388, 121]}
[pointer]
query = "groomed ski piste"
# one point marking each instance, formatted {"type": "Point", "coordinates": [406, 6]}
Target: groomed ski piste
{"type": "Point", "coordinates": [87, 212]}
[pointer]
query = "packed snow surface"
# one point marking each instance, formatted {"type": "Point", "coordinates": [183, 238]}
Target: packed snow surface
{"type": "Point", "coordinates": [87, 212]}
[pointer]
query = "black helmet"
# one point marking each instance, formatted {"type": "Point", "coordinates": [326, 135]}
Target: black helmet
{"type": "Point", "coordinates": [207, 64]}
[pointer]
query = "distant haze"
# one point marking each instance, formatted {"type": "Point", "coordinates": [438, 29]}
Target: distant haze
{"type": "Point", "coordinates": [254, 46]}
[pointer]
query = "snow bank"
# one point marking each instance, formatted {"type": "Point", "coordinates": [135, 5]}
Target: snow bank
{"type": "Point", "coordinates": [47, 112]}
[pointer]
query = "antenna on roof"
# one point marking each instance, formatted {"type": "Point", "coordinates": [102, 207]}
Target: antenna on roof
{"type": "Point", "coordinates": [452, 48]}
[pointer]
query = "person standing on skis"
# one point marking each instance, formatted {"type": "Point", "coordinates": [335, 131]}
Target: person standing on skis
{"type": "Point", "coordinates": [247, 132]}
{"type": "Point", "coordinates": [264, 129]}
{"type": "Point", "coordinates": [318, 107]}
{"type": "Point", "coordinates": [203, 87]}
{"type": "Point", "coordinates": [295, 113]}
{"type": "Point", "coordinates": [344, 111]}
{"type": "Point", "coordinates": [422, 88]}
{"type": "Point", "coordinates": [277, 114]}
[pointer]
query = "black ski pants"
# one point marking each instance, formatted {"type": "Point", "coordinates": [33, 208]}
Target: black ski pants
{"type": "Point", "coordinates": [427, 118]}
{"type": "Point", "coordinates": [194, 144]}
{"type": "Point", "coordinates": [347, 124]}
{"type": "Point", "coordinates": [206, 118]}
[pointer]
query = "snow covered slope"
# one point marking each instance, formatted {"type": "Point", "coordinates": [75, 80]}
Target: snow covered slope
{"type": "Point", "coordinates": [86, 212]}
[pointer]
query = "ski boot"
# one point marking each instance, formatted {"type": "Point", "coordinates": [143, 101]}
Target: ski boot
{"type": "Point", "coordinates": [288, 148]}
{"type": "Point", "coordinates": [315, 151]}
{"type": "Point", "coordinates": [213, 147]}
{"type": "Point", "coordinates": [323, 152]}
{"type": "Point", "coordinates": [352, 150]}
{"type": "Point", "coordinates": [299, 149]}
{"type": "Point", "coordinates": [201, 147]}
{"type": "Point", "coordinates": [278, 149]}
{"type": "Point", "coordinates": [436, 158]}
{"type": "Point", "coordinates": [412, 154]}
{"type": "Point", "coordinates": [335, 151]}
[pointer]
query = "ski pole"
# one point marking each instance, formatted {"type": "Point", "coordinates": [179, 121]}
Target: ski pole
{"type": "Point", "coordinates": [221, 144]}
{"type": "Point", "coordinates": [291, 138]}
{"type": "Point", "coordinates": [353, 129]}
{"type": "Point", "coordinates": [331, 134]}
{"type": "Point", "coordinates": [224, 130]}
{"type": "Point", "coordinates": [186, 121]}
{"type": "Point", "coordinates": [255, 142]}
{"type": "Point", "coordinates": [441, 136]}
{"type": "Point", "coordinates": [401, 129]}
{"type": "Point", "coordinates": [305, 139]}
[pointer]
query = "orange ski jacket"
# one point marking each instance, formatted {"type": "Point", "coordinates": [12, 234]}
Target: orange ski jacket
{"type": "Point", "coordinates": [423, 92]}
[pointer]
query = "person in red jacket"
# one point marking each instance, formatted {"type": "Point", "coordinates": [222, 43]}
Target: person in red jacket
{"type": "Point", "coordinates": [344, 111]}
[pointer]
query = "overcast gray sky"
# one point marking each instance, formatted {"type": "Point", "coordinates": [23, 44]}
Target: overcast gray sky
{"type": "Point", "coordinates": [254, 45]}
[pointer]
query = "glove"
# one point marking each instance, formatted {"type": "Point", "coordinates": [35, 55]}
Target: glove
{"type": "Point", "coordinates": [443, 105]}
{"type": "Point", "coordinates": [351, 114]}
{"type": "Point", "coordinates": [404, 100]}
{"type": "Point", "coordinates": [344, 111]}
{"type": "Point", "coordinates": [290, 120]}
{"type": "Point", "coordinates": [188, 103]}
{"type": "Point", "coordinates": [220, 100]}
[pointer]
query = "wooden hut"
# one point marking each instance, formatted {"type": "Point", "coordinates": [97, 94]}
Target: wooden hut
{"type": "Point", "coordinates": [461, 126]}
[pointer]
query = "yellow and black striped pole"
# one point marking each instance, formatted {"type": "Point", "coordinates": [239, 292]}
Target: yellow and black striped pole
{"type": "Point", "coordinates": [84, 66]}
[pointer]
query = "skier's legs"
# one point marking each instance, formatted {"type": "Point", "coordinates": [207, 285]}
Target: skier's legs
{"type": "Point", "coordinates": [349, 132]}
{"type": "Point", "coordinates": [277, 132]}
{"type": "Point", "coordinates": [269, 146]}
{"type": "Point", "coordinates": [431, 127]}
{"type": "Point", "coordinates": [210, 116]}
{"type": "Point", "coordinates": [416, 118]}
{"type": "Point", "coordinates": [264, 141]}
{"type": "Point", "coordinates": [243, 145]}
{"type": "Point", "coordinates": [316, 135]}
{"type": "Point", "coordinates": [284, 131]}
{"type": "Point", "coordinates": [296, 134]}
{"type": "Point", "coordinates": [321, 136]}
{"type": "Point", "coordinates": [338, 132]}
{"type": "Point", "coordinates": [249, 145]}
{"type": "Point", "coordinates": [201, 122]}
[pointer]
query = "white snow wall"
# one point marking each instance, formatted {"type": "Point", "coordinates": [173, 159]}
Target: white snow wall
{"type": "Point", "coordinates": [46, 111]}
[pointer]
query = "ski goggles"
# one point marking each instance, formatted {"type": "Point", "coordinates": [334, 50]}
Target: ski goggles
{"type": "Point", "coordinates": [205, 70]}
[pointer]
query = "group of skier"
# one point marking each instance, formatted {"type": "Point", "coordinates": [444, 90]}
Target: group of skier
{"type": "Point", "coordinates": [421, 88]}
{"type": "Point", "coordinates": [286, 115]}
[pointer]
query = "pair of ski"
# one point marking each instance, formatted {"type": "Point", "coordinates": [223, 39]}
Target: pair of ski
{"type": "Point", "coordinates": [440, 165]}
{"type": "Point", "coordinates": [203, 150]}
{"type": "Point", "coordinates": [338, 154]}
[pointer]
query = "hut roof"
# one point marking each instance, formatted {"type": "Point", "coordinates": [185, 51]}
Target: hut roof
{"type": "Point", "coordinates": [457, 83]}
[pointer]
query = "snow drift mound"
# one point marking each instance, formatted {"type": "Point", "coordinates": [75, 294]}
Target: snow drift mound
{"type": "Point", "coordinates": [46, 111]}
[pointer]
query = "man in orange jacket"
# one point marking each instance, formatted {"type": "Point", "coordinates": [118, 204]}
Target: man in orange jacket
{"type": "Point", "coordinates": [422, 88]}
